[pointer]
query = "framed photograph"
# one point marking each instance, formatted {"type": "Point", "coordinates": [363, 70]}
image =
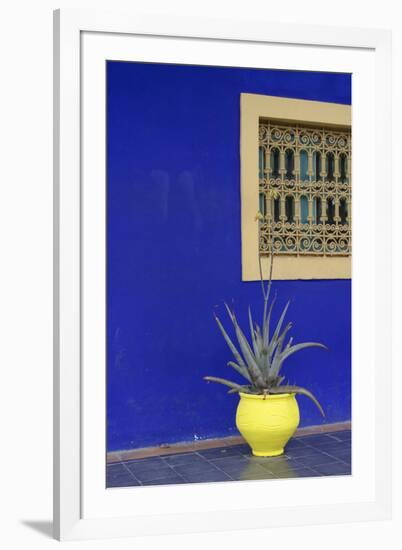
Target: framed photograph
{"type": "Point", "coordinates": [222, 351]}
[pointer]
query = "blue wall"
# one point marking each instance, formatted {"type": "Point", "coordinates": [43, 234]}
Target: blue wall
{"type": "Point", "coordinates": [173, 255]}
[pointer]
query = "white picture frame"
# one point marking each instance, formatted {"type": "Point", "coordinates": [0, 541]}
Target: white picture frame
{"type": "Point", "coordinates": [83, 508]}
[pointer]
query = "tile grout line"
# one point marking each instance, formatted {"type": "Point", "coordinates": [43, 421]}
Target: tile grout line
{"type": "Point", "coordinates": [173, 467]}
{"type": "Point", "coordinates": [156, 479]}
{"type": "Point", "coordinates": [335, 459]}
{"type": "Point", "coordinates": [177, 473]}
{"type": "Point", "coordinates": [246, 457]}
{"type": "Point", "coordinates": [207, 462]}
{"type": "Point", "coordinates": [219, 470]}
{"type": "Point", "coordinates": [131, 474]}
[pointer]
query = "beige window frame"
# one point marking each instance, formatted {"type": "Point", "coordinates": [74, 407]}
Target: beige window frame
{"type": "Point", "coordinates": [253, 107]}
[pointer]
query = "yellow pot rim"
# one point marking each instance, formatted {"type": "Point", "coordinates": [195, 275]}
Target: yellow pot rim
{"type": "Point", "coordinates": [265, 397]}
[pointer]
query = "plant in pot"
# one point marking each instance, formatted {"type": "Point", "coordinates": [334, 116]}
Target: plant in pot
{"type": "Point", "coordinates": [267, 414]}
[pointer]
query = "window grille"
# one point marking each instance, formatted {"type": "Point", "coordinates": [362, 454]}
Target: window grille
{"type": "Point", "coordinates": [304, 189]}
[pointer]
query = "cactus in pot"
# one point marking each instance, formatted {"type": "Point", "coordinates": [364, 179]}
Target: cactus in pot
{"type": "Point", "coordinates": [267, 414]}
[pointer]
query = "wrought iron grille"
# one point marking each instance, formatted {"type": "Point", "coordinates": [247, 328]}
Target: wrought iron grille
{"type": "Point", "coordinates": [304, 189]}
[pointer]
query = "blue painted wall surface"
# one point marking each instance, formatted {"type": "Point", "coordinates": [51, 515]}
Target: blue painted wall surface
{"type": "Point", "coordinates": [173, 255]}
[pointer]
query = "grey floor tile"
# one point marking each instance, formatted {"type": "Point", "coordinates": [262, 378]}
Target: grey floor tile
{"type": "Point", "coordinates": [268, 461]}
{"type": "Point", "coordinates": [154, 473]}
{"type": "Point", "coordinates": [301, 451]}
{"type": "Point", "coordinates": [264, 460]}
{"type": "Point", "coordinates": [187, 470]}
{"type": "Point", "coordinates": [294, 443]}
{"type": "Point", "coordinates": [282, 468]}
{"type": "Point", "coordinates": [255, 476]}
{"type": "Point", "coordinates": [228, 460]}
{"type": "Point", "coordinates": [244, 470]}
{"type": "Point", "coordinates": [126, 482]}
{"type": "Point", "coordinates": [174, 480]}
{"type": "Point", "coordinates": [334, 437]}
{"type": "Point", "coordinates": [344, 456]}
{"type": "Point", "coordinates": [299, 472]}
{"type": "Point", "coordinates": [114, 469]}
{"type": "Point", "coordinates": [188, 458]}
{"type": "Point", "coordinates": [333, 469]}
{"type": "Point", "coordinates": [205, 477]}
{"type": "Point", "coordinates": [344, 435]}
{"type": "Point", "coordinates": [145, 462]}
{"type": "Point", "coordinates": [221, 452]}
{"type": "Point", "coordinates": [316, 439]}
{"type": "Point", "coordinates": [317, 459]}
{"type": "Point", "coordinates": [331, 445]}
{"type": "Point", "coordinates": [138, 468]}
{"type": "Point", "coordinates": [119, 476]}
{"type": "Point", "coordinates": [246, 467]}
{"type": "Point", "coordinates": [243, 449]}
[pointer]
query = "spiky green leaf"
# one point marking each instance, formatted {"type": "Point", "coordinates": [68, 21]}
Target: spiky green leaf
{"type": "Point", "coordinates": [267, 322]}
{"type": "Point", "coordinates": [275, 336]}
{"type": "Point", "coordinates": [231, 345]}
{"type": "Point", "coordinates": [252, 331]}
{"type": "Point", "coordinates": [248, 355]}
{"type": "Point", "coordinates": [298, 390]}
{"type": "Point", "coordinates": [258, 339]}
{"type": "Point", "coordinates": [233, 385]}
{"type": "Point", "coordinates": [299, 347]}
{"type": "Point", "coordinates": [244, 389]}
{"type": "Point", "coordinates": [241, 370]}
{"type": "Point", "coordinates": [274, 381]}
{"type": "Point", "coordinates": [289, 343]}
{"type": "Point", "coordinates": [230, 313]}
{"type": "Point", "coordinates": [276, 361]}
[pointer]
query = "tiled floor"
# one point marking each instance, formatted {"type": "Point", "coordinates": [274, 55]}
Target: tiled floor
{"type": "Point", "coordinates": [308, 456]}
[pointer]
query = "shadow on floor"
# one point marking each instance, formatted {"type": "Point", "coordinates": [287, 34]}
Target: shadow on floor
{"type": "Point", "coordinates": [43, 527]}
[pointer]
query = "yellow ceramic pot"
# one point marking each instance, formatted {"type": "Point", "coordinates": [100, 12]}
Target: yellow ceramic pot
{"type": "Point", "coordinates": [267, 422]}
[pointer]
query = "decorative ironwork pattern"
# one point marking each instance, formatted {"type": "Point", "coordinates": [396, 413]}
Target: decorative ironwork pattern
{"type": "Point", "coordinates": [304, 189]}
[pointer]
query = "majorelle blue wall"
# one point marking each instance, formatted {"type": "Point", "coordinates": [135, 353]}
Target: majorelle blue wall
{"type": "Point", "coordinates": [173, 255]}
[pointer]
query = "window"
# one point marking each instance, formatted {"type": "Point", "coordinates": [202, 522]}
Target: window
{"type": "Point", "coordinates": [295, 171]}
{"type": "Point", "coordinates": [312, 196]}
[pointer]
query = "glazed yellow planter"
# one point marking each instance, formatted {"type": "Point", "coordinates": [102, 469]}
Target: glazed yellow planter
{"type": "Point", "coordinates": [267, 422]}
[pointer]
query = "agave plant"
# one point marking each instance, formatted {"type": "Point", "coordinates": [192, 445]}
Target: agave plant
{"type": "Point", "coordinates": [260, 360]}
